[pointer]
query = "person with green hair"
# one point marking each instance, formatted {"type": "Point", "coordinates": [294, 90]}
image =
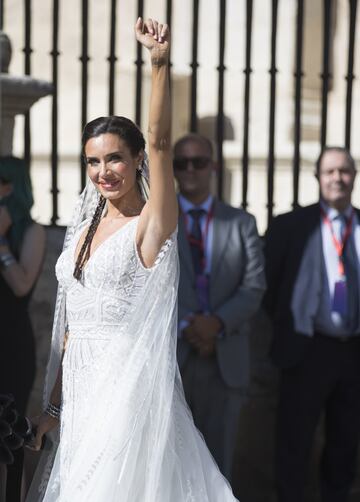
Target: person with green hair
{"type": "Point", "coordinates": [22, 245]}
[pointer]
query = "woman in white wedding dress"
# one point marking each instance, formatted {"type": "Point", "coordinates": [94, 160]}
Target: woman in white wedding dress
{"type": "Point", "coordinates": [126, 434]}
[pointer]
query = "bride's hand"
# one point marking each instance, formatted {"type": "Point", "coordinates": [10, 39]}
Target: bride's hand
{"type": "Point", "coordinates": [44, 423]}
{"type": "Point", "coordinates": [155, 37]}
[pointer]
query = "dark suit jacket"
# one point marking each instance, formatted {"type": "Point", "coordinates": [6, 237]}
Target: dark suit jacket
{"type": "Point", "coordinates": [294, 272]}
{"type": "Point", "coordinates": [237, 283]}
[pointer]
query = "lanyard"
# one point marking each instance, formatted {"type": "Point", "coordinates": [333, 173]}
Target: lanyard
{"type": "Point", "coordinates": [339, 245]}
{"type": "Point", "coordinates": [200, 243]}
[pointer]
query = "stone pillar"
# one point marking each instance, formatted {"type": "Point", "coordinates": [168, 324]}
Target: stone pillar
{"type": "Point", "coordinates": [17, 95]}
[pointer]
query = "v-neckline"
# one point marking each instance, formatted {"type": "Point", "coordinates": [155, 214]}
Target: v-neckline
{"type": "Point", "coordinates": [76, 255]}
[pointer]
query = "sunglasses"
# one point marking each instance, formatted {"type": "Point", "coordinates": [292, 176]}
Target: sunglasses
{"type": "Point", "coordinates": [182, 163]}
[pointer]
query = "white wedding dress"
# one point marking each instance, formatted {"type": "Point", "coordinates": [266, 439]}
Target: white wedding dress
{"type": "Point", "coordinates": [127, 434]}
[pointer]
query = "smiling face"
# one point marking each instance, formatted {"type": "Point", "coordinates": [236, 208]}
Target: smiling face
{"type": "Point", "coordinates": [336, 178]}
{"type": "Point", "coordinates": [111, 166]}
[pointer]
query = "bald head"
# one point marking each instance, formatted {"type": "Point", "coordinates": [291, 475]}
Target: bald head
{"type": "Point", "coordinates": [195, 138]}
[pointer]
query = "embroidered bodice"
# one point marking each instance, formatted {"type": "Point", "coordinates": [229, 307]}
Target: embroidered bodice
{"type": "Point", "coordinates": [111, 280]}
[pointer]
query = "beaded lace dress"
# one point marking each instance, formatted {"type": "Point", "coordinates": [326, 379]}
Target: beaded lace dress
{"type": "Point", "coordinates": [126, 433]}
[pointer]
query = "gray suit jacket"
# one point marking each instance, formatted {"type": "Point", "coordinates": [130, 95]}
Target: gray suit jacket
{"type": "Point", "coordinates": [237, 283]}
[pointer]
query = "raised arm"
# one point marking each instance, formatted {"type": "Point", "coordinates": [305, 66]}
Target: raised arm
{"type": "Point", "coordinates": [161, 212]}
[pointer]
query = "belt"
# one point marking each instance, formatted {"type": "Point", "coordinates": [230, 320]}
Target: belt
{"type": "Point", "coordinates": [338, 338]}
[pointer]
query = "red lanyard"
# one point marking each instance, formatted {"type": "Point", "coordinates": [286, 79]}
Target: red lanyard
{"type": "Point", "coordinates": [339, 245]}
{"type": "Point", "coordinates": [190, 238]}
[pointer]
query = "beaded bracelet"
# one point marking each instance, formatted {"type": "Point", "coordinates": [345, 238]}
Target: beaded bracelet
{"type": "Point", "coordinates": [6, 259]}
{"type": "Point", "coordinates": [53, 411]}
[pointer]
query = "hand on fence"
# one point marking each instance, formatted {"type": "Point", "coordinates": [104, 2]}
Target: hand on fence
{"type": "Point", "coordinates": [155, 37]}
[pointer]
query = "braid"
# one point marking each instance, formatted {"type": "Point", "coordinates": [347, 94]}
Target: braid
{"type": "Point", "coordinates": [84, 253]}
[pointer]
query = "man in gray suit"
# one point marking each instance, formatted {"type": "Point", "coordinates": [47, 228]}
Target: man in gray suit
{"type": "Point", "coordinates": [221, 286]}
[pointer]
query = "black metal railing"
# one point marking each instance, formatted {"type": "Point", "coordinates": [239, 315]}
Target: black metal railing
{"type": "Point", "coordinates": [112, 57]}
{"type": "Point", "coordinates": [27, 70]}
{"type": "Point", "coordinates": [298, 75]}
{"type": "Point", "coordinates": [139, 67]}
{"type": "Point", "coordinates": [194, 68]}
{"type": "Point", "coordinates": [54, 122]}
{"type": "Point", "coordinates": [350, 70]}
{"type": "Point", "coordinates": [271, 149]}
{"type": "Point", "coordinates": [246, 119]}
{"type": "Point", "coordinates": [84, 59]}
{"type": "Point", "coordinates": [1, 15]}
{"type": "Point", "coordinates": [220, 111]}
{"type": "Point", "coordinates": [325, 76]}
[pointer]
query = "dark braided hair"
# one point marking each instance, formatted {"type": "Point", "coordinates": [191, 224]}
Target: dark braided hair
{"type": "Point", "coordinates": [134, 139]}
{"type": "Point", "coordinates": [84, 252]}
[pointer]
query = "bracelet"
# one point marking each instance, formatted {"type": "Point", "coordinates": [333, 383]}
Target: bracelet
{"type": "Point", "coordinates": [53, 411]}
{"type": "Point", "coordinates": [6, 259]}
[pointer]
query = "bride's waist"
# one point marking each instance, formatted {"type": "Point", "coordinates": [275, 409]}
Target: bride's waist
{"type": "Point", "coordinates": [94, 331]}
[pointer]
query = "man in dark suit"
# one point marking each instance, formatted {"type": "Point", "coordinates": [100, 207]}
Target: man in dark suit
{"type": "Point", "coordinates": [221, 287]}
{"type": "Point", "coordinates": [312, 263]}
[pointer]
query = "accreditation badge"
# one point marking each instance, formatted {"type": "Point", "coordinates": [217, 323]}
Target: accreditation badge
{"type": "Point", "coordinates": [340, 297]}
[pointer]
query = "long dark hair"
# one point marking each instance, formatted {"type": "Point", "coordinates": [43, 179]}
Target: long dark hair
{"type": "Point", "coordinates": [19, 202]}
{"type": "Point", "coordinates": [134, 139]}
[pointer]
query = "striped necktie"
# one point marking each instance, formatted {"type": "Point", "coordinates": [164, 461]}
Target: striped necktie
{"type": "Point", "coordinates": [196, 240]}
{"type": "Point", "coordinates": [352, 279]}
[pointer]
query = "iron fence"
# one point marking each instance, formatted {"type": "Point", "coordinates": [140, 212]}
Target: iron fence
{"type": "Point", "coordinates": [328, 10]}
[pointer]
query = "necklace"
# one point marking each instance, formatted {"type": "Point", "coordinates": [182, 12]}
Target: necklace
{"type": "Point", "coordinates": [122, 217]}
{"type": "Point", "coordinates": [130, 211]}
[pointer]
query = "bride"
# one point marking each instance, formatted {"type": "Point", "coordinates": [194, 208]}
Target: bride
{"type": "Point", "coordinates": [126, 434]}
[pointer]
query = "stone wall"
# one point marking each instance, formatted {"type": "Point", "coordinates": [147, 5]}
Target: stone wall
{"type": "Point", "coordinates": [255, 445]}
